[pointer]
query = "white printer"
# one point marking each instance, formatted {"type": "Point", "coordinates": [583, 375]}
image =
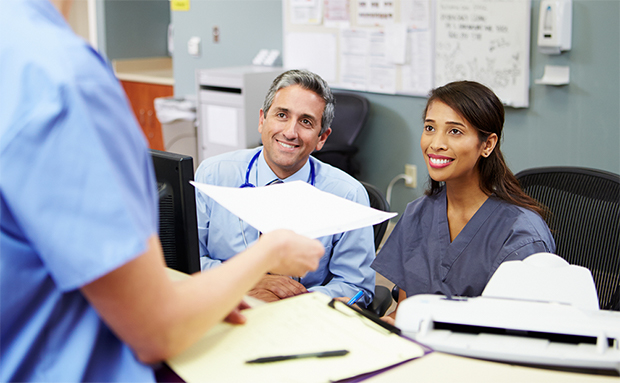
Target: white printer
{"type": "Point", "coordinates": [537, 311]}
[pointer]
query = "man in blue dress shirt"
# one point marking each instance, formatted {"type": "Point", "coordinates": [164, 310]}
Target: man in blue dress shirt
{"type": "Point", "coordinates": [294, 121]}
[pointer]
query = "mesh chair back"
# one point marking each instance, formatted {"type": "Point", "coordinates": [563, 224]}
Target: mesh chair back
{"type": "Point", "coordinates": [377, 201]}
{"type": "Point", "coordinates": [383, 298]}
{"type": "Point", "coordinates": [350, 116]}
{"type": "Point", "coordinates": [584, 220]}
{"type": "Point", "coordinates": [351, 113]}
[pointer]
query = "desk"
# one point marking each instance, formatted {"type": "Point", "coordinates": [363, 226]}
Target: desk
{"type": "Point", "coordinates": [440, 367]}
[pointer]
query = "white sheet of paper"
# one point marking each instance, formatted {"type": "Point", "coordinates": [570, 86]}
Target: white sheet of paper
{"type": "Point", "coordinates": [353, 55]}
{"type": "Point", "coordinates": [296, 206]}
{"type": "Point", "coordinates": [417, 75]}
{"type": "Point", "coordinates": [396, 43]}
{"type": "Point", "coordinates": [313, 51]}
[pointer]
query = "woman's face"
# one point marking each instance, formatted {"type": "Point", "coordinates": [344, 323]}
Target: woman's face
{"type": "Point", "coordinates": [451, 145]}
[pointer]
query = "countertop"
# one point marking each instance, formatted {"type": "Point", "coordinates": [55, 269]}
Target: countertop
{"type": "Point", "coordinates": [156, 70]}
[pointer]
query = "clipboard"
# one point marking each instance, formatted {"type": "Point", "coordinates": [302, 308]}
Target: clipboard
{"type": "Point", "coordinates": [306, 323]}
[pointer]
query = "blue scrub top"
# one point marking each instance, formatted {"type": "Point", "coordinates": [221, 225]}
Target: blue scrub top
{"type": "Point", "coordinates": [77, 199]}
{"type": "Point", "coordinates": [419, 257]}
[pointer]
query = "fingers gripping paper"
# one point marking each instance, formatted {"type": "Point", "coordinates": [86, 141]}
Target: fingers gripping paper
{"type": "Point", "coordinates": [296, 206]}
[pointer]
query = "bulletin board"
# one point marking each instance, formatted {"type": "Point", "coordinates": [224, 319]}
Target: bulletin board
{"type": "Point", "coordinates": [409, 47]}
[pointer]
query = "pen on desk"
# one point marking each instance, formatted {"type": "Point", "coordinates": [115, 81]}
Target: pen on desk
{"type": "Point", "coordinates": [355, 298]}
{"type": "Point", "coordinates": [368, 315]}
{"type": "Point", "coordinates": [279, 358]}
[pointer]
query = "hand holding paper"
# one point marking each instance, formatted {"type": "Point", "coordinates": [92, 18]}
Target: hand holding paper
{"type": "Point", "coordinates": [295, 206]}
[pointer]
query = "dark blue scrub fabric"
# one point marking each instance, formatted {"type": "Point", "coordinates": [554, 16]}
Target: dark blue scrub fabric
{"type": "Point", "coordinates": [419, 257]}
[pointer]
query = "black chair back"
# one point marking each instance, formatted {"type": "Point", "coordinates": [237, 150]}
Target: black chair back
{"type": "Point", "coordinates": [351, 113]}
{"type": "Point", "coordinates": [377, 201]}
{"type": "Point", "coordinates": [584, 219]}
{"type": "Point", "coordinates": [383, 298]}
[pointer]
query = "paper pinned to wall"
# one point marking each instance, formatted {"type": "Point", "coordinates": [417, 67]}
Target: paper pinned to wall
{"type": "Point", "coordinates": [381, 72]}
{"type": "Point", "coordinates": [306, 11]}
{"type": "Point", "coordinates": [353, 51]}
{"type": "Point", "coordinates": [396, 39]}
{"type": "Point", "coordinates": [315, 52]}
{"type": "Point", "coordinates": [376, 12]}
{"type": "Point", "coordinates": [364, 61]}
{"type": "Point", "coordinates": [316, 213]}
{"type": "Point", "coordinates": [417, 74]}
{"type": "Point", "coordinates": [337, 13]}
{"type": "Point", "coordinates": [416, 13]}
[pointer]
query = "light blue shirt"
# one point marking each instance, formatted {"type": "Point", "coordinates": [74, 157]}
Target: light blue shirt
{"type": "Point", "coordinates": [345, 267]}
{"type": "Point", "coordinates": [77, 198]}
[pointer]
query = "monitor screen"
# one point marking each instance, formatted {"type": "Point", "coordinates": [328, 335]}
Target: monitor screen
{"type": "Point", "coordinates": [178, 229]}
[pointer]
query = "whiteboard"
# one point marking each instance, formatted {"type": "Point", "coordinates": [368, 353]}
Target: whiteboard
{"type": "Point", "coordinates": [485, 41]}
{"type": "Point", "coordinates": [418, 45]}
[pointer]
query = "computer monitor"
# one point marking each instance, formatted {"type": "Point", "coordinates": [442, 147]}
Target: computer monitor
{"type": "Point", "coordinates": [178, 230]}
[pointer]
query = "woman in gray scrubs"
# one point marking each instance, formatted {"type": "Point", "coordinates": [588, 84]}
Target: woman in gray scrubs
{"type": "Point", "coordinates": [474, 215]}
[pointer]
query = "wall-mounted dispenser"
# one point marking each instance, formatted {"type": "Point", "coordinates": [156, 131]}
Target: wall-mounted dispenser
{"type": "Point", "coordinates": [555, 26]}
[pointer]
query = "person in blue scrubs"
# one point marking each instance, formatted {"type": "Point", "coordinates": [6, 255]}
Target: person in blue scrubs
{"type": "Point", "coordinates": [294, 121]}
{"type": "Point", "coordinates": [84, 293]}
{"type": "Point", "coordinates": [474, 215]}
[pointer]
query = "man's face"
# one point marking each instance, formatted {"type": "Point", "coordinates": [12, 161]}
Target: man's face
{"type": "Point", "coordinates": [290, 129]}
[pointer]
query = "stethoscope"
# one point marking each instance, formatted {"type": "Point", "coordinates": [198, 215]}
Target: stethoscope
{"type": "Point", "coordinates": [247, 184]}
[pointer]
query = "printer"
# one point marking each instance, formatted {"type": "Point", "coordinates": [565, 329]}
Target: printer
{"type": "Point", "coordinates": [539, 311]}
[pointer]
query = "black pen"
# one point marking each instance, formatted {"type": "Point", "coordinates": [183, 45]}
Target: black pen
{"type": "Point", "coordinates": [368, 315]}
{"type": "Point", "coordinates": [323, 354]}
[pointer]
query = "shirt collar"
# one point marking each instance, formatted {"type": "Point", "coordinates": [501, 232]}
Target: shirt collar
{"type": "Point", "coordinates": [266, 175]}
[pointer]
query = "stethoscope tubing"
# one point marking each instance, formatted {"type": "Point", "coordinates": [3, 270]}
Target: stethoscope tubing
{"type": "Point", "coordinates": [247, 183]}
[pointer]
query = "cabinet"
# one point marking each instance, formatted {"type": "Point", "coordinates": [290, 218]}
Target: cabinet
{"type": "Point", "coordinates": [142, 95]}
{"type": "Point", "coordinates": [229, 100]}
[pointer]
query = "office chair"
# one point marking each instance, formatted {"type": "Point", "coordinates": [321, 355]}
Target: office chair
{"type": "Point", "coordinates": [584, 218]}
{"type": "Point", "coordinates": [351, 115]}
{"type": "Point", "coordinates": [377, 201]}
{"type": "Point", "coordinates": [383, 299]}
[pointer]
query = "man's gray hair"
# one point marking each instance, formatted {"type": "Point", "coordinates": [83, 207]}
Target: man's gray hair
{"type": "Point", "coordinates": [307, 80]}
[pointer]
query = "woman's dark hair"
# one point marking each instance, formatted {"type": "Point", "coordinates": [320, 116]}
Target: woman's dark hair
{"type": "Point", "coordinates": [481, 108]}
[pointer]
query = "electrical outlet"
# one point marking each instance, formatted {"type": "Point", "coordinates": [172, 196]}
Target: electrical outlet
{"type": "Point", "coordinates": [411, 171]}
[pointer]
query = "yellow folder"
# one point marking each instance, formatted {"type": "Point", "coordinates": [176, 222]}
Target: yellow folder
{"type": "Point", "coordinates": [306, 323]}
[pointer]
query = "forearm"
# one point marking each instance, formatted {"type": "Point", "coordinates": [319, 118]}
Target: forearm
{"type": "Point", "coordinates": [195, 305]}
{"type": "Point", "coordinates": [159, 318]}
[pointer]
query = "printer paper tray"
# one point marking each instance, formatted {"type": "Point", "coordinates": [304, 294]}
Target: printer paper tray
{"type": "Point", "coordinates": [516, 349]}
{"type": "Point", "coordinates": [511, 330]}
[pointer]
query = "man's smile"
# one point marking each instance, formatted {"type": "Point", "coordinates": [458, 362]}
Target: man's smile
{"type": "Point", "coordinates": [286, 146]}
